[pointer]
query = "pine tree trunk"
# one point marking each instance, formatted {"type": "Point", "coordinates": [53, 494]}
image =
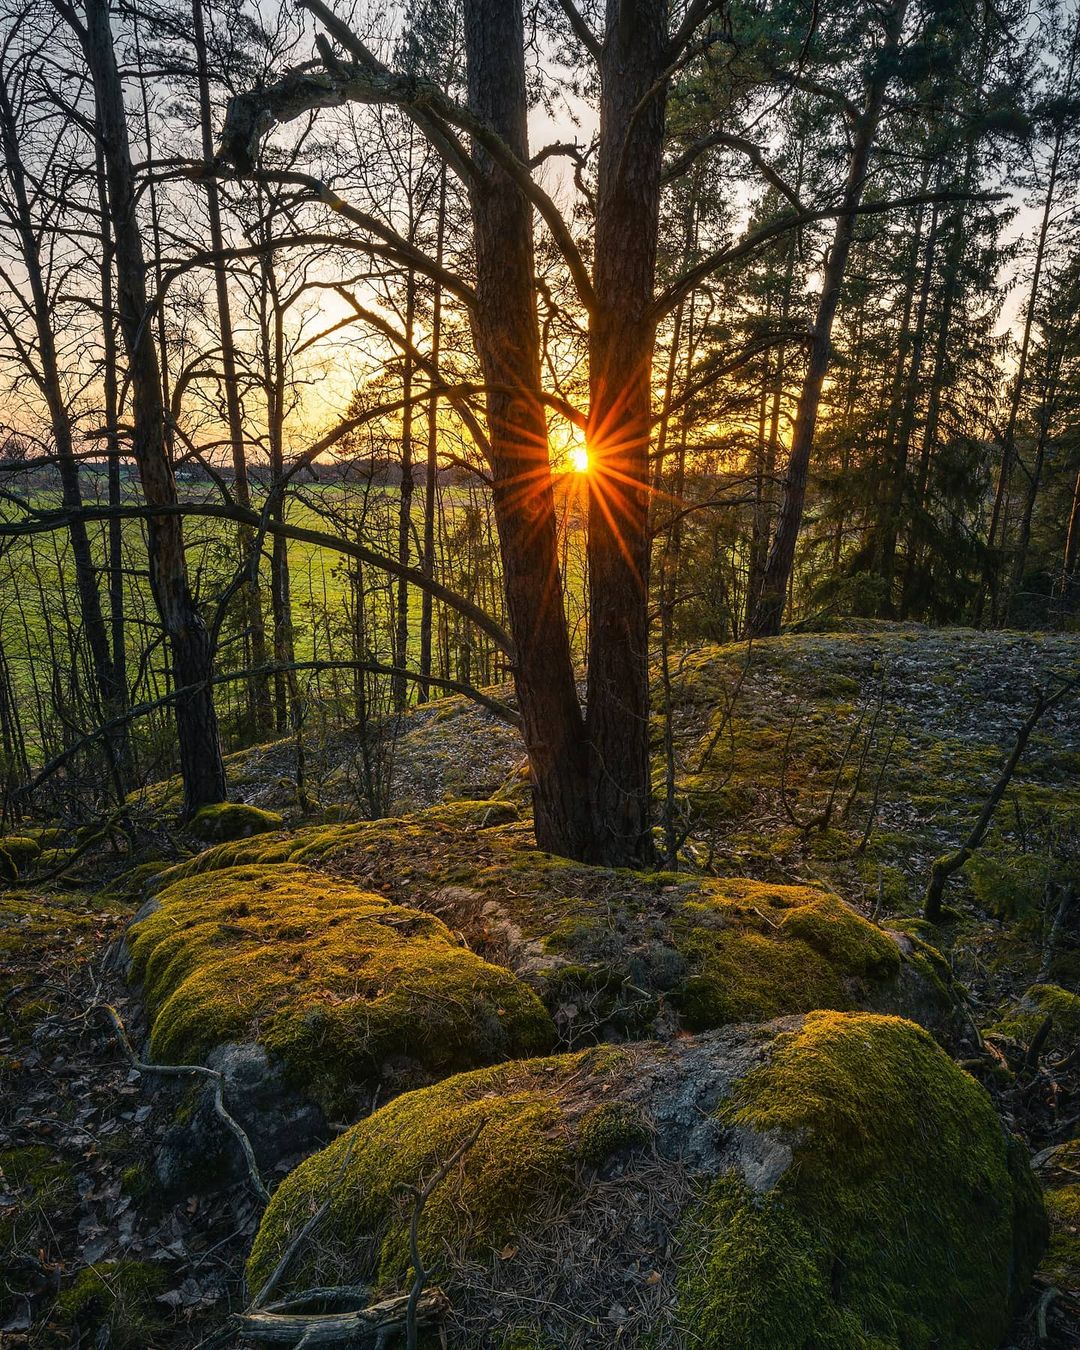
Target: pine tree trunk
{"type": "Point", "coordinates": [904, 398]}
{"type": "Point", "coordinates": [508, 343]}
{"type": "Point", "coordinates": [989, 584]}
{"type": "Point", "coordinates": [621, 339]}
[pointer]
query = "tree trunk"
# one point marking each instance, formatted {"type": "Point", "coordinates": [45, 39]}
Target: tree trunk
{"type": "Point", "coordinates": [200, 750]}
{"type": "Point", "coordinates": [508, 343]}
{"type": "Point", "coordinates": [109, 369]}
{"type": "Point", "coordinates": [988, 587]}
{"type": "Point", "coordinates": [904, 402]}
{"type": "Point", "coordinates": [400, 691]}
{"type": "Point", "coordinates": [431, 467]}
{"type": "Point", "coordinates": [621, 339]}
{"type": "Point", "coordinates": [779, 568]}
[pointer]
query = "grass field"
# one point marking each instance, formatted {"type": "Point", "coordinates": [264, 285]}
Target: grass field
{"type": "Point", "coordinates": [39, 604]}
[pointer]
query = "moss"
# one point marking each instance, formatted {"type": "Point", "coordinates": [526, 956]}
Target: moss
{"type": "Point", "coordinates": [759, 951]}
{"type": "Point", "coordinates": [39, 1196]}
{"type": "Point", "coordinates": [20, 848]}
{"type": "Point", "coordinates": [331, 979]}
{"type": "Point", "coordinates": [232, 820]}
{"type": "Point", "coordinates": [117, 1295]}
{"type": "Point", "coordinates": [1022, 1021]}
{"type": "Point", "coordinates": [899, 1224]}
{"type": "Point", "coordinates": [900, 1216]}
{"type": "Point", "coordinates": [38, 1177]}
{"type": "Point", "coordinates": [608, 942]}
{"type": "Point", "coordinates": [1062, 1264]}
{"type": "Point", "coordinates": [131, 885]}
{"type": "Point", "coordinates": [523, 1154]}
{"type": "Point", "coordinates": [611, 1128]}
{"type": "Point", "coordinates": [137, 1182]}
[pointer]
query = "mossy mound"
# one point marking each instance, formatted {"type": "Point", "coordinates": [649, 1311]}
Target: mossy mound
{"type": "Point", "coordinates": [333, 981]}
{"type": "Point", "coordinates": [616, 953]}
{"type": "Point", "coordinates": [20, 848]}
{"type": "Point", "coordinates": [1022, 1020]}
{"type": "Point", "coordinates": [232, 820]}
{"type": "Point", "coordinates": [17, 852]}
{"type": "Point", "coordinates": [833, 1181]}
{"type": "Point", "coordinates": [887, 1134]}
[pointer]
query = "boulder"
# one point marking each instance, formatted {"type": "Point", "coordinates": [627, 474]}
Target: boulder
{"type": "Point", "coordinates": [821, 1182]}
{"type": "Point", "coordinates": [225, 821]}
{"type": "Point", "coordinates": [617, 954]}
{"type": "Point", "coordinates": [342, 989]}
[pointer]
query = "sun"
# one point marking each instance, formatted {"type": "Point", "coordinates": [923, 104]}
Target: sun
{"type": "Point", "coordinates": [579, 459]}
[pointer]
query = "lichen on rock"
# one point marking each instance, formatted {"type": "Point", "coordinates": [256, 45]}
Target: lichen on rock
{"type": "Point", "coordinates": [340, 986]}
{"type": "Point", "coordinates": [824, 1181]}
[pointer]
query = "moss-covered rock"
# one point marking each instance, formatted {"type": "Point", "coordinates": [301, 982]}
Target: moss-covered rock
{"type": "Point", "coordinates": [223, 821]}
{"type": "Point", "coordinates": [896, 1154]}
{"type": "Point", "coordinates": [17, 851]}
{"type": "Point", "coordinates": [616, 953]}
{"type": "Point", "coordinates": [20, 848]}
{"type": "Point", "coordinates": [833, 1181]}
{"type": "Point", "coordinates": [340, 986]}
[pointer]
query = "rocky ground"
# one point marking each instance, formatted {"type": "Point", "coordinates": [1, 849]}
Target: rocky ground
{"type": "Point", "coordinates": [842, 763]}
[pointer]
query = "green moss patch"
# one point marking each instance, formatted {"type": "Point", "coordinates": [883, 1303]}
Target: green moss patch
{"type": "Point", "coordinates": [332, 980]}
{"type": "Point", "coordinates": [759, 950]}
{"type": "Point", "coordinates": [41, 936]}
{"type": "Point", "coordinates": [232, 820]}
{"type": "Point", "coordinates": [903, 1221]}
{"type": "Point", "coordinates": [20, 848]}
{"type": "Point", "coordinates": [522, 1154]}
{"type": "Point", "coordinates": [38, 1191]}
{"type": "Point", "coordinates": [833, 1181]}
{"type": "Point", "coordinates": [117, 1296]}
{"type": "Point", "coordinates": [611, 951]}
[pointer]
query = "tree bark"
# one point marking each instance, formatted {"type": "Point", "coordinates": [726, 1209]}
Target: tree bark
{"type": "Point", "coordinates": [201, 765]}
{"type": "Point", "coordinates": [508, 342]}
{"type": "Point", "coordinates": [431, 467]}
{"type": "Point", "coordinates": [904, 402]}
{"type": "Point", "coordinates": [621, 339]}
{"type": "Point", "coordinates": [400, 690]}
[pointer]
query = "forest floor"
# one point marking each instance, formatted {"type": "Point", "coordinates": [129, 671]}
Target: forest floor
{"type": "Point", "coordinates": [849, 760]}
